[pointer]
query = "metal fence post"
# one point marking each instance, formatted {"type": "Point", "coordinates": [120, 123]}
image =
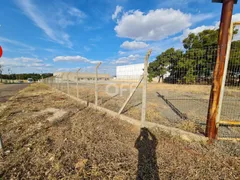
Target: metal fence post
{"type": "Point", "coordinates": [144, 95]}
{"type": "Point", "coordinates": [213, 109]}
{"type": "Point", "coordinates": [96, 85]}
{"type": "Point", "coordinates": [77, 83]}
{"type": "Point", "coordinates": [68, 82]}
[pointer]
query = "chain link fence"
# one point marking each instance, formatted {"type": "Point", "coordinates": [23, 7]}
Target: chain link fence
{"type": "Point", "coordinates": [178, 90]}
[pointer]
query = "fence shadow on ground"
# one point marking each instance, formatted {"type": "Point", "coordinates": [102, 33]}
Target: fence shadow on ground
{"type": "Point", "coordinates": [131, 107]}
{"type": "Point", "coordinates": [109, 99]}
{"type": "Point", "coordinates": [146, 145]}
{"type": "Point", "coordinates": [174, 108]}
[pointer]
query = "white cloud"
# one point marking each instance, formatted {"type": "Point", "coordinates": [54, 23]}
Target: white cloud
{"type": "Point", "coordinates": [196, 30]}
{"type": "Point", "coordinates": [27, 60]}
{"type": "Point", "coordinates": [127, 59]}
{"type": "Point", "coordinates": [74, 59]}
{"type": "Point", "coordinates": [201, 17]}
{"type": "Point", "coordinates": [121, 52]}
{"type": "Point", "coordinates": [68, 16]}
{"type": "Point", "coordinates": [23, 62]}
{"type": "Point", "coordinates": [155, 25]}
{"type": "Point", "coordinates": [186, 32]}
{"type": "Point", "coordinates": [117, 11]}
{"type": "Point", "coordinates": [134, 45]}
{"type": "Point", "coordinates": [86, 48]}
{"type": "Point", "coordinates": [76, 12]}
{"type": "Point", "coordinates": [16, 43]}
{"type": "Point", "coordinates": [52, 24]}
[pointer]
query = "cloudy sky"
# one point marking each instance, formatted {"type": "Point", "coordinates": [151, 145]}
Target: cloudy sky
{"type": "Point", "coordinates": [64, 35]}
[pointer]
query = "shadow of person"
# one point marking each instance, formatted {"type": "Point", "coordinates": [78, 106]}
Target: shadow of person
{"type": "Point", "coordinates": [146, 144]}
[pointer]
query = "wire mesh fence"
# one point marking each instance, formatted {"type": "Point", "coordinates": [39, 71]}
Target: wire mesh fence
{"type": "Point", "coordinates": [178, 91]}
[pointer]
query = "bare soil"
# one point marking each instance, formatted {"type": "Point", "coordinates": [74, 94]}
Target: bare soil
{"type": "Point", "coordinates": [9, 90]}
{"type": "Point", "coordinates": [87, 144]}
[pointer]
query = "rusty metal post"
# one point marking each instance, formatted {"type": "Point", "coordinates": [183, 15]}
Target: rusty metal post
{"type": "Point", "coordinates": [77, 82]}
{"type": "Point", "coordinates": [226, 17]}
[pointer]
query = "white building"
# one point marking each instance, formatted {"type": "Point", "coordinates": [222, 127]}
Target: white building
{"type": "Point", "coordinates": [130, 72]}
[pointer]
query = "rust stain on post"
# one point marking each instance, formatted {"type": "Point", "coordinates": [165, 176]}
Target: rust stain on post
{"type": "Point", "coordinates": [226, 17]}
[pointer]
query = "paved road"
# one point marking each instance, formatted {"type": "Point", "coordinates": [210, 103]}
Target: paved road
{"type": "Point", "coordinates": [9, 90]}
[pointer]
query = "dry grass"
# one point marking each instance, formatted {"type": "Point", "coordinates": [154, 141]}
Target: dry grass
{"type": "Point", "coordinates": [91, 145]}
{"type": "Point", "coordinates": [36, 88]}
{"type": "Point", "coordinates": [233, 92]}
{"type": "Point", "coordinates": [205, 89]}
{"type": "Point", "coordinates": [190, 126]}
{"type": "Point", "coordinates": [153, 113]}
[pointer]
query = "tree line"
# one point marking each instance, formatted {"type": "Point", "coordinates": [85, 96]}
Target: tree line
{"type": "Point", "coordinates": [195, 63]}
{"type": "Point", "coordinates": [25, 76]}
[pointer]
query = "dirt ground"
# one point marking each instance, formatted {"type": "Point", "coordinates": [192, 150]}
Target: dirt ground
{"type": "Point", "coordinates": [8, 90]}
{"type": "Point", "coordinates": [49, 136]}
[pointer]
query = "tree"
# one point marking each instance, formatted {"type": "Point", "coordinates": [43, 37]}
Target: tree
{"type": "Point", "coordinates": [203, 39]}
{"type": "Point", "coordinates": [159, 67]}
{"type": "Point", "coordinates": [196, 63]}
{"type": "Point", "coordinates": [164, 63]}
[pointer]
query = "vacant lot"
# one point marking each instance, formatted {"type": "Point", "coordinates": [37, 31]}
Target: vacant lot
{"type": "Point", "coordinates": [182, 106]}
{"type": "Point", "coordinates": [47, 135]}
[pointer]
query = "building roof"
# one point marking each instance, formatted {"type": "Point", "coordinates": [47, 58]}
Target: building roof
{"type": "Point", "coordinates": [73, 75]}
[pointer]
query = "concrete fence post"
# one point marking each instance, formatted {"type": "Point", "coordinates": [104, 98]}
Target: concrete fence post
{"type": "Point", "coordinates": [216, 90]}
{"type": "Point", "coordinates": [144, 92]}
{"type": "Point", "coordinates": [96, 84]}
{"type": "Point", "coordinates": [224, 74]}
{"type": "Point", "coordinates": [77, 83]}
{"type": "Point", "coordinates": [52, 79]}
{"type": "Point", "coordinates": [68, 82]}
{"type": "Point", "coordinates": [1, 143]}
{"type": "Point", "coordinates": [59, 81]}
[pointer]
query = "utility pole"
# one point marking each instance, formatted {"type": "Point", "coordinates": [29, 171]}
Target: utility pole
{"type": "Point", "coordinates": [213, 109]}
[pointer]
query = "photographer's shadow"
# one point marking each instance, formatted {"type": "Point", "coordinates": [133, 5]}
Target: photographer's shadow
{"type": "Point", "coordinates": [146, 144]}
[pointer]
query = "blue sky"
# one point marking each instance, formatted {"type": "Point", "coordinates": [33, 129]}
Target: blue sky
{"type": "Point", "coordinates": [64, 35]}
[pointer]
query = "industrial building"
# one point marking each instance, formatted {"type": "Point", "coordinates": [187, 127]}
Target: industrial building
{"type": "Point", "coordinates": [129, 72]}
{"type": "Point", "coordinates": [73, 76]}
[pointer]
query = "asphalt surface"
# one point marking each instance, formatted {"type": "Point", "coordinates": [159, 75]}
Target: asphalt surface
{"type": "Point", "coordinates": [9, 90]}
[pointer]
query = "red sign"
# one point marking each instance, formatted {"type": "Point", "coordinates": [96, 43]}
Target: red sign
{"type": "Point", "coordinates": [1, 51]}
